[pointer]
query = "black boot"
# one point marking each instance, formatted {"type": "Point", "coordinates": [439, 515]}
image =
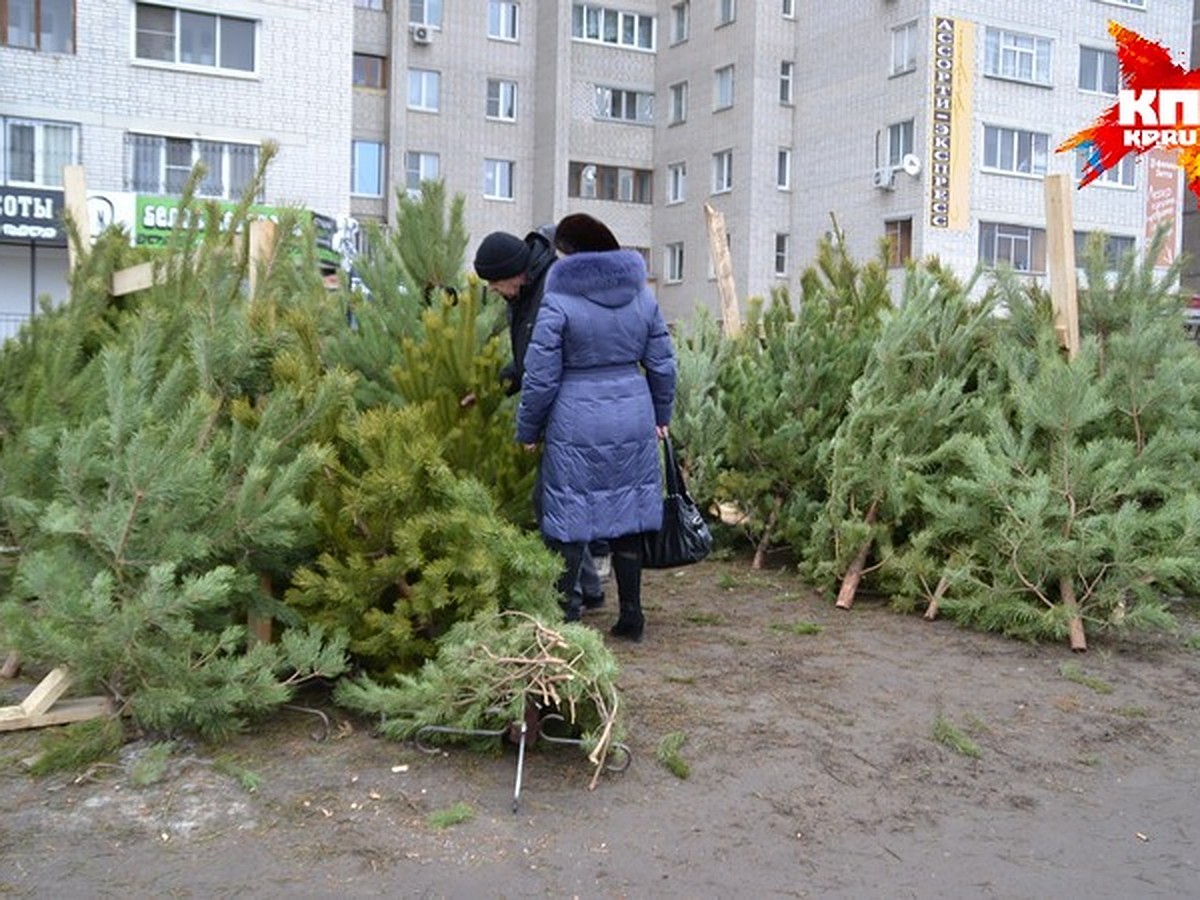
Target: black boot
{"type": "Point", "coordinates": [627, 570]}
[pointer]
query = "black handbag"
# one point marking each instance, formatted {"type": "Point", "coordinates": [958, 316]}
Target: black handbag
{"type": "Point", "coordinates": [684, 537]}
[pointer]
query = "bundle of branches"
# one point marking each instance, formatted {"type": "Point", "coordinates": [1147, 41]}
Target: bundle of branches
{"type": "Point", "coordinates": [487, 672]}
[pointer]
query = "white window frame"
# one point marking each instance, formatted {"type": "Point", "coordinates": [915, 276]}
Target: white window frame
{"type": "Point", "coordinates": [676, 182]}
{"type": "Point", "coordinates": [678, 93]}
{"type": "Point", "coordinates": [47, 170]}
{"type": "Point", "coordinates": [723, 85]}
{"type": "Point", "coordinates": [503, 20]}
{"type": "Point", "coordinates": [681, 21]}
{"type": "Point", "coordinates": [1102, 63]}
{"type": "Point", "coordinates": [1017, 246]}
{"type": "Point", "coordinates": [783, 248]}
{"type": "Point", "coordinates": [369, 4]}
{"type": "Point", "coordinates": [424, 12]}
{"type": "Point", "coordinates": [1015, 151]}
{"type": "Point", "coordinates": [229, 167]}
{"type": "Point", "coordinates": [788, 9]}
{"type": "Point", "coordinates": [722, 171]}
{"type": "Point", "coordinates": [787, 80]}
{"type": "Point", "coordinates": [1116, 247]}
{"type": "Point", "coordinates": [900, 142]}
{"type": "Point", "coordinates": [359, 187]}
{"type": "Point", "coordinates": [597, 24]}
{"type": "Point", "coordinates": [783, 169]}
{"type": "Point", "coordinates": [160, 47]}
{"type": "Point", "coordinates": [424, 90]}
{"type": "Point", "coordinates": [624, 105]}
{"type": "Point", "coordinates": [1131, 4]}
{"type": "Point", "coordinates": [420, 166]}
{"type": "Point", "coordinates": [1122, 175]}
{"type": "Point", "coordinates": [904, 48]}
{"type": "Point", "coordinates": [1008, 54]}
{"type": "Point", "coordinates": [726, 12]}
{"type": "Point", "coordinates": [501, 100]}
{"type": "Point", "coordinates": [673, 262]}
{"type": "Point", "coordinates": [42, 29]}
{"type": "Point", "coordinates": [498, 177]}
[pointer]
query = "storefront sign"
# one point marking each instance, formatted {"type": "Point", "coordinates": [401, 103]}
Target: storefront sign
{"type": "Point", "coordinates": [950, 124]}
{"type": "Point", "coordinates": [31, 216]}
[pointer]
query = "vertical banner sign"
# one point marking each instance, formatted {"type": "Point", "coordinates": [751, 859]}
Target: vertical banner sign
{"type": "Point", "coordinates": [950, 124]}
{"type": "Point", "coordinates": [1162, 201]}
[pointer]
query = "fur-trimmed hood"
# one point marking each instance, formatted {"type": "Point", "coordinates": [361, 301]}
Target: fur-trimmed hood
{"type": "Point", "coordinates": [611, 278]}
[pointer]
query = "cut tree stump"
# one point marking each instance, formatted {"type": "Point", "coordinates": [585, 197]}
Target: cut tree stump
{"type": "Point", "coordinates": [849, 588]}
{"type": "Point", "coordinates": [1075, 630]}
{"type": "Point", "coordinates": [42, 706]}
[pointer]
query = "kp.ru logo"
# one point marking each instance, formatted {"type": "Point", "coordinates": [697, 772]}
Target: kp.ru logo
{"type": "Point", "coordinates": [1157, 106]}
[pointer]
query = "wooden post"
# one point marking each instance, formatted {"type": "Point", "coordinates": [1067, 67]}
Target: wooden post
{"type": "Point", "coordinates": [75, 206]}
{"type": "Point", "coordinates": [1060, 259]}
{"type": "Point", "coordinates": [718, 246]}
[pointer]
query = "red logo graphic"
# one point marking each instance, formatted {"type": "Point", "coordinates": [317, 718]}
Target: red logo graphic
{"type": "Point", "coordinates": [1158, 106]}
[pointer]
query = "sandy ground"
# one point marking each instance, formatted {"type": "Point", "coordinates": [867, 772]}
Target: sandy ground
{"type": "Point", "coordinates": [814, 772]}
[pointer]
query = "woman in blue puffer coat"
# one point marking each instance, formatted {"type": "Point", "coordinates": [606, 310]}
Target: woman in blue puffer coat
{"type": "Point", "coordinates": [598, 392]}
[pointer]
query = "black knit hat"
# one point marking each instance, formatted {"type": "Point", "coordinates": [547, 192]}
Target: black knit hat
{"type": "Point", "coordinates": [581, 233]}
{"type": "Point", "coordinates": [500, 256]}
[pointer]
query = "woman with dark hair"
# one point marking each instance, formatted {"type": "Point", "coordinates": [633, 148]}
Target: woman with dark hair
{"type": "Point", "coordinates": [598, 393]}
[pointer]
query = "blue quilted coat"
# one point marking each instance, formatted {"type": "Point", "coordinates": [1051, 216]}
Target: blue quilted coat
{"type": "Point", "coordinates": [599, 375]}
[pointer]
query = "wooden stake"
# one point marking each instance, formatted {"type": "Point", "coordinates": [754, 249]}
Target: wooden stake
{"type": "Point", "coordinates": [939, 592]}
{"type": "Point", "coordinates": [12, 665]}
{"type": "Point", "coordinates": [75, 206]}
{"type": "Point", "coordinates": [718, 246]}
{"type": "Point", "coordinates": [42, 706]}
{"type": "Point", "coordinates": [1060, 259]}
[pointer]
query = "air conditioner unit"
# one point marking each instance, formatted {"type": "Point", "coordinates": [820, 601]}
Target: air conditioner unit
{"type": "Point", "coordinates": [884, 178]}
{"type": "Point", "coordinates": [421, 34]}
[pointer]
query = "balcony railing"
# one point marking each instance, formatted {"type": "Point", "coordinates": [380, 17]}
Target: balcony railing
{"type": "Point", "coordinates": [10, 324]}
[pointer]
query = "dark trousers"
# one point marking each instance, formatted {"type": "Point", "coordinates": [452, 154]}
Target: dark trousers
{"type": "Point", "coordinates": [627, 572]}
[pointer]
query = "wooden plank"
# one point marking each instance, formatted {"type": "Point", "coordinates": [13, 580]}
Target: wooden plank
{"type": "Point", "coordinates": [75, 206]}
{"type": "Point", "coordinates": [1060, 259]}
{"type": "Point", "coordinates": [13, 718]}
{"type": "Point", "coordinates": [718, 246]}
{"type": "Point", "coordinates": [135, 278]}
{"type": "Point", "coordinates": [49, 689]}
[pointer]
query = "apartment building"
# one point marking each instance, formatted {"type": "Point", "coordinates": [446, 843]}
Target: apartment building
{"type": "Point", "coordinates": [929, 123]}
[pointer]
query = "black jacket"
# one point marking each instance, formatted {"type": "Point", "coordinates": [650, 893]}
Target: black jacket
{"type": "Point", "coordinates": [523, 309]}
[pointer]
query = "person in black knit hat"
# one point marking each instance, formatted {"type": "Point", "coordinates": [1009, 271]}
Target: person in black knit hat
{"type": "Point", "coordinates": [516, 269]}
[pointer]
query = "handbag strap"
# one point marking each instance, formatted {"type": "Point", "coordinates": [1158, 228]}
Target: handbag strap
{"type": "Point", "coordinates": [674, 477]}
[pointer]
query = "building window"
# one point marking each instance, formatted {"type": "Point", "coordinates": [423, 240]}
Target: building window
{"type": "Point", "coordinates": [35, 151]}
{"type": "Point", "coordinates": [627, 106]}
{"type": "Point", "coordinates": [722, 172]}
{"type": "Point", "coordinates": [498, 179]}
{"type": "Point", "coordinates": [370, 71]}
{"type": "Point", "coordinates": [899, 142]}
{"type": "Point", "coordinates": [904, 48]}
{"type": "Point", "coordinates": [726, 12]}
{"type": "Point", "coordinates": [789, 9]}
{"type": "Point", "coordinates": [419, 167]}
{"type": "Point", "coordinates": [782, 245]}
{"type": "Point", "coordinates": [1098, 71]}
{"type": "Point", "coordinates": [502, 100]}
{"type": "Point", "coordinates": [787, 70]}
{"type": "Point", "coordinates": [589, 180]}
{"type": "Point", "coordinates": [1123, 174]}
{"type": "Point", "coordinates": [424, 89]}
{"type": "Point", "coordinates": [1132, 4]}
{"type": "Point", "coordinates": [681, 21]}
{"type": "Point", "coordinates": [163, 165]}
{"type": "Point", "coordinates": [679, 97]}
{"type": "Point", "coordinates": [1021, 248]}
{"type": "Point", "coordinates": [723, 87]}
{"type": "Point", "coordinates": [898, 233]}
{"type": "Point", "coordinates": [366, 169]}
{"type": "Point", "coordinates": [182, 37]}
{"type": "Point", "coordinates": [369, 4]}
{"type": "Point", "coordinates": [612, 26]}
{"type": "Point", "coordinates": [673, 263]}
{"type": "Point", "coordinates": [46, 25]}
{"type": "Point", "coordinates": [676, 182]}
{"type": "Point", "coordinates": [783, 169]}
{"type": "Point", "coordinates": [502, 20]}
{"type": "Point", "coordinates": [425, 12]}
{"type": "Point", "coordinates": [1015, 150]}
{"type": "Point", "coordinates": [1116, 247]}
{"type": "Point", "coordinates": [1021, 57]}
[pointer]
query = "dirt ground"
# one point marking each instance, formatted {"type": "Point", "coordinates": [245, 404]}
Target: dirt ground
{"type": "Point", "coordinates": [814, 772]}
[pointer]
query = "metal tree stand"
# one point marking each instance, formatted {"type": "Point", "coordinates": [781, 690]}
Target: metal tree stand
{"type": "Point", "coordinates": [524, 732]}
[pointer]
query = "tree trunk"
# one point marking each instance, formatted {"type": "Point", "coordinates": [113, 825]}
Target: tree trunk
{"type": "Point", "coordinates": [1075, 623]}
{"type": "Point", "coordinates": [939, 592]}
{"type": "Point", "coordinates": [853, 576]}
